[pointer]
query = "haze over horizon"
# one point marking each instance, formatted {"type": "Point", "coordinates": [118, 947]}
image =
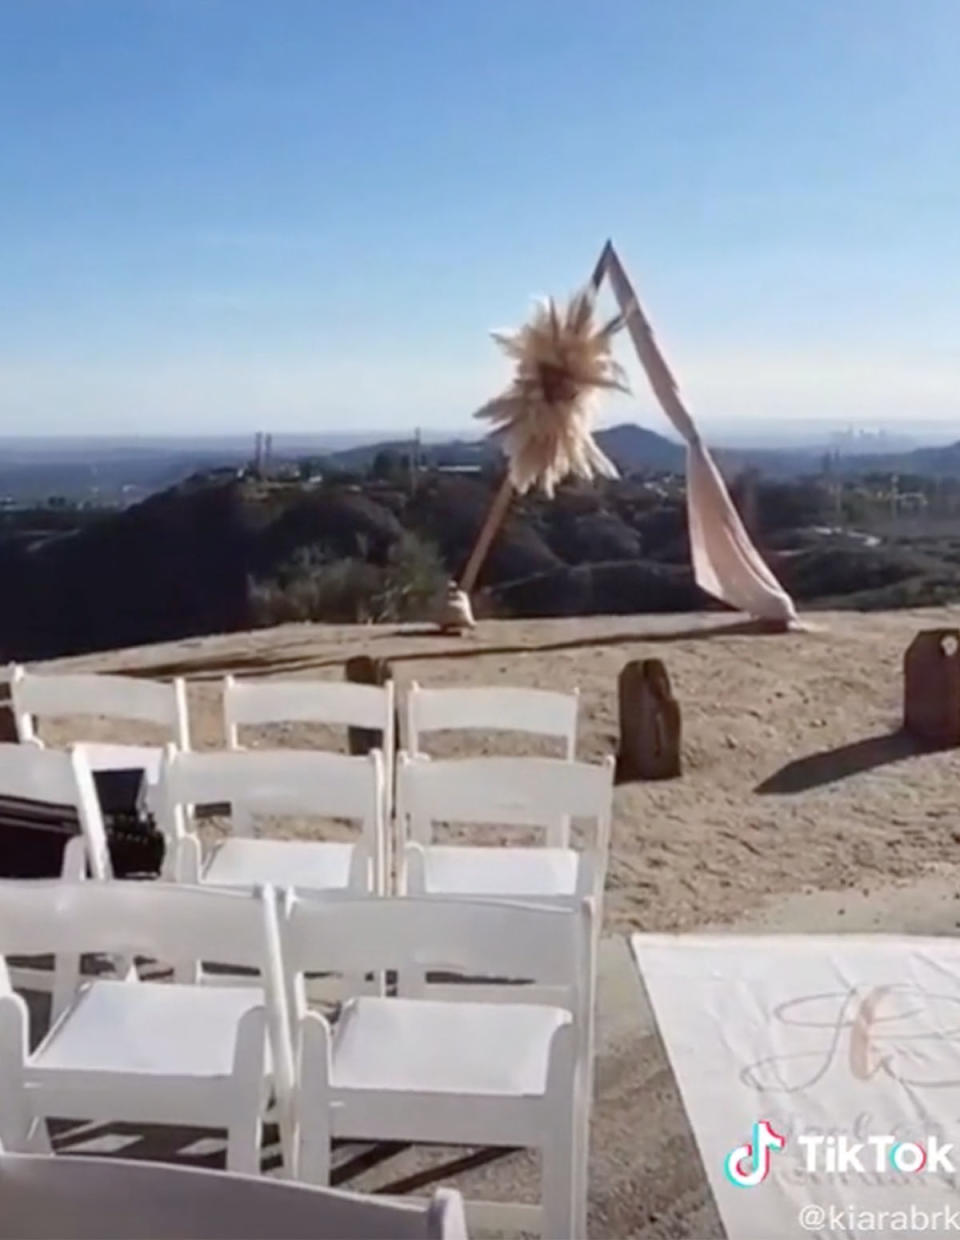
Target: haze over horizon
{"type": "Point", "coordinates": [305, 218]}
{"type": "Point", "coordinates": [806, 436]}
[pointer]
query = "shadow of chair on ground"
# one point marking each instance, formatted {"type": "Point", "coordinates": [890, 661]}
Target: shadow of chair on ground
{"type": "Point", "coordinates": [831, 765]}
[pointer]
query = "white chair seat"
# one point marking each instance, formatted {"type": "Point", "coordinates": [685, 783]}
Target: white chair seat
{"type": "Point", "coordinates": [500, 871]}
{"type": "Point", "coordinates": [312, 865]}
{"type": "Point", "coordinates": [147, 1028]}
{"type": "Point", "coordinates": [419, 1046]}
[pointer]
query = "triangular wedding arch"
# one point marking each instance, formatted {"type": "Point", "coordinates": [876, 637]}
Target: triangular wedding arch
{"type": "Point", "coordinates": [726, 564]}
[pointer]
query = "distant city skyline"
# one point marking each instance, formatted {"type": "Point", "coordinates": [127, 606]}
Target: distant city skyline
{"type": "Point", "coordinates": [232, 216]}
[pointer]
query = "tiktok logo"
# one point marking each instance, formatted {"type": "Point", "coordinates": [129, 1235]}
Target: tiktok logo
{"type": "Point", "coordinates": [749, 1165]}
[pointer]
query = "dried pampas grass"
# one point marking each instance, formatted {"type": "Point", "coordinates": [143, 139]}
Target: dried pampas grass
{"type": "Point", "coordinates": [543, 419]}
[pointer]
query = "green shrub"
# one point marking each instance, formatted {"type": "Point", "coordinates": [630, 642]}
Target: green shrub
{"type": "Point", "coordinates": [311, 586]}
{"type": "Point", "coordinates": [412, 581]}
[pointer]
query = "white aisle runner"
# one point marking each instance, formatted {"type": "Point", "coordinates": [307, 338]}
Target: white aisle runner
{"type": "Point", "coordinates": [817, 1072]}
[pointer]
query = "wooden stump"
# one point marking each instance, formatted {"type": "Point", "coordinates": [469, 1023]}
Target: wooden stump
{"type": "Point", "coordinates": [931, 687]}
{"type": "Point", "coordinates": [362, 670]}
{"type": "Point", "coordinates": [650, 727]}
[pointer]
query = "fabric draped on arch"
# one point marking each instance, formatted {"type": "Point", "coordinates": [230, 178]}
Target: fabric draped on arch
{"type": "Point", "coordinates": [726, 564]}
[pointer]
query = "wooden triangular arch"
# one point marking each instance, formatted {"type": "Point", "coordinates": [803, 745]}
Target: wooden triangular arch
{"type": "Point", "coordinates": [726, 564]}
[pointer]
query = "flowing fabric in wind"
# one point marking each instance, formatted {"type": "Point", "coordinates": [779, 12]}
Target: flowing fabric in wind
{"type": "Point", "coordinates": [726, 564]}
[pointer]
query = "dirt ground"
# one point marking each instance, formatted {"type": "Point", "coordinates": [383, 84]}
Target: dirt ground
{"type": "Point", "coordinates": [795, 777]}
{"type": "Point", "coordinates": [800, 806]}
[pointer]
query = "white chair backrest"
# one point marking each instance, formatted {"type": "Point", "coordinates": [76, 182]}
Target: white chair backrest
{"type": "Point", "coordinates": [115, 1199]}
{"type": "Point", "coordinates": [165, 921]}
{"type": "Point", "coordinates": [537, 712]}
{"type": "Point", "coordinates": [487, 938]}
{"type": "Point", "coordinates": [333, 702]}
{"type": "Point", "coordinates": [272, 781]}
{"type": "Point", "coordinates": [91, 693]}
{"type": "Point", "coordinates": [519, 792]}
{"type": "Point", "coordinates": [58, 777]}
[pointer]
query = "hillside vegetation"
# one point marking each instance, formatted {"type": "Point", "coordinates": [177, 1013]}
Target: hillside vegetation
{"type": "Point", "coordinates": [223, 552]}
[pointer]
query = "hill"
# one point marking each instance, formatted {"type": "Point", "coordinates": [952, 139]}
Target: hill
{"type": "Point", "coordinates": [220, 553]}
{"type": "Point", "coordinates": [937, 462]}
{"type": "Point", "coordinates": [446, 452]}
{"type": "Point", "coordinates": [118, 471]}
{"type": "Point", "coordinates": [633, 448]}
{"type": "Point", "coordinates": [108, 470]}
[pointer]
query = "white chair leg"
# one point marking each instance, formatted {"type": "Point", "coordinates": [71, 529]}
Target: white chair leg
{"type": "Point", "coordinates": [314, 1158]}
{"type": "Point", "coordinates": [244, 1133]}
{"type": "Point", "coordinates": [16, 1118]}
{"type": "Point", "coordinates": [37, 1140]}
{"type": "Point", "coordinates": [584, 1107]}
{"type": "Point", "coordinates": [243, 1146]}
{"type": "Point", "coordinates": [559, 1185]}
{"type": "Point", "coordinates": [66, 965]}
{"type": "Point", "coordinates": [21, 1133]}
{"type": "Point", "coordinates": [581, 1181]}
{"type": "Point", "coordinates": [313, 1107]}
{"type": "Point", "coordinates": [563, 1190]}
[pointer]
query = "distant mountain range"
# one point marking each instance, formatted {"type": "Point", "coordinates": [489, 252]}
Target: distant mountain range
{"type": "Point", "coordinates": [634, 449]}
{"type": "Point", "coordinates": [935, 462]}
{"type": "Point", "coordinates": [105, 470]}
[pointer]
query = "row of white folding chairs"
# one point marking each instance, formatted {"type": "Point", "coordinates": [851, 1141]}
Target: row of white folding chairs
{"type": "Point", "coordinates": [542, 793]}
{"type": "Point", "coordinates": [127, 698]}
{"type": "Point", "coordinates": [245, 704]}
{"type": "Point", "coordinates": [408, 1069]}
{"type": "Point", "coordinates": [90, 1198]}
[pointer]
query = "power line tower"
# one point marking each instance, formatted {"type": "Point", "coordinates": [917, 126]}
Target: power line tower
{"type": "Point", "coordinates": [415, 461]}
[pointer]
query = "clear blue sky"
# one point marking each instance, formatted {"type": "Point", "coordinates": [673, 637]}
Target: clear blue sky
{"type": "Point", "coordinates": [306, 214]}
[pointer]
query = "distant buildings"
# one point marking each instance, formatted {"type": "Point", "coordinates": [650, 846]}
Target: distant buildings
{"type": "Point", "coordinates": [859, 439]}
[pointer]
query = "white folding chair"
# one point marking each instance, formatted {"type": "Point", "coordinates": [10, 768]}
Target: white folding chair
{"type": "Point", "coordinates": [83, 1198]}
{"type": "Point", "coordinates": [62, 778]}
{"type": "Point", "coordinates": [540, 713]}
{"type": "Point", "coordinates": [334, 703]}
{"type": "Point", "coordinates": [509, 792]}
{"type": "Point", "coordinates": [275, 782]}
{"type": "Point", "coordinates": [91, 694]}
{"type": "Point", "coordinates": [536, 712]}
{"type": "Point", "coordinates": [472, 1073]}
{"type": "Point", "coordinates": [137, 1051]}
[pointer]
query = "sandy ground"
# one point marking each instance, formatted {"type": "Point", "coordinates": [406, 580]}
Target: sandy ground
{"type": "Point", "coordinates": [794, 776]}
{"type": "Point", "coordinates": [800, 808]}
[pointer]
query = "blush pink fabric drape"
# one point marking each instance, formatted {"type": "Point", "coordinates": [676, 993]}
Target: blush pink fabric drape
{"type": "Point", "coordinates": [726, 564]}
